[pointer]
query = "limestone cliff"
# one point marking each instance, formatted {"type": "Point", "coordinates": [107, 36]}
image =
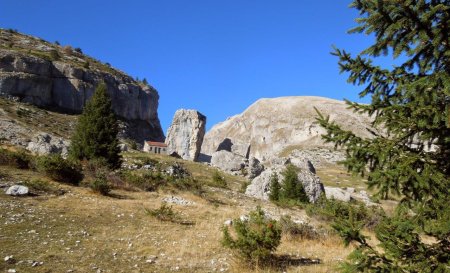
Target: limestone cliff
{"type": "Point", "coordinates": [62, 78]}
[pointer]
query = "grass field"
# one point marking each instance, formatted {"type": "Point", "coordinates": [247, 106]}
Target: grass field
{"type": "Point", "coordinates": [80, 231]}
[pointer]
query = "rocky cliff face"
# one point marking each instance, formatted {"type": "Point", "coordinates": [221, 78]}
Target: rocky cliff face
{"type": "Point", "coordinates": [61, 78]}
{"type": "Point", "coordinates": [275, 127]}
{"type": "Point", "coordinates": [185, 135]}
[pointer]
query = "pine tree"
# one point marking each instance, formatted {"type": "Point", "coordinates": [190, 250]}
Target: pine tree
{"type": "Point", "coordinates": [291, 187]}
{"type": "Point", "coordinates": [95, 136]}
{"type": "Point", "coordinates": [410, 155]}
{"type": "Point", "coordinates": [274, 187]}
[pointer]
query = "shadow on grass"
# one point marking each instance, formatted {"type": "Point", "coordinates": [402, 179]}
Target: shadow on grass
{"type": "Point", "coordinates": [119, 196]}
{"type": "Point", "coordinates": [285, 261]}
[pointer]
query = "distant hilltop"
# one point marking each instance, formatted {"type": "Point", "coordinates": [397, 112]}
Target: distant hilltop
{"type": "Point", "coordinates": [275, 127]}
{"type": "Point", "coordinates": [63, 78]}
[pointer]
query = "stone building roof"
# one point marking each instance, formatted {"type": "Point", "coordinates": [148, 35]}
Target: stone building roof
{"type": "Point", "coordinates": [157, 144]}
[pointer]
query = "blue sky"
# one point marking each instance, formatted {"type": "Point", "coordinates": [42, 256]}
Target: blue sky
{"type": "Point", "coordinates": [214, 56]}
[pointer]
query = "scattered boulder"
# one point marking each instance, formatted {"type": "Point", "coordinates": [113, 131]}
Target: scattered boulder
{"type": "Point", "coordinates": [17, 190]}
{"type": "Point", "coordinates": [338, 194]}
{"type": "Point", "coordinates": [177, 200]}
{"type": "Point", "coordinates": [348, 194]}
{"type": "Point", "coordinates": [185, 135]}
{"type": "Point", "coordinates": [260, 186]}
{"type": "Point", "coordinates": [227, 161]}
{"type": "Point", "coordinates": [177, 170]}
{"type": "Point", "coordinates": [44, 144]}
{"type": "Point", "coordinates": [255, 168]}
{"type": "Point", "coordinates": [302, 162]}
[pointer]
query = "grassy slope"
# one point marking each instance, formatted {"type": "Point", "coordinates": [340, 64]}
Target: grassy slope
{"type": "Point", "coordinates": [37, 119]}
{"type": "Point", "coordinates": [52, 229]}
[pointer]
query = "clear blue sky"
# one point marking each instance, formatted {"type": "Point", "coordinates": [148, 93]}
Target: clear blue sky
{"type": "Point", "coordinates": [214, 56]}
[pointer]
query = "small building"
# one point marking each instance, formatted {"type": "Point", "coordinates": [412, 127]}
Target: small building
{"type": "Point", "coordinates": [155, 147]}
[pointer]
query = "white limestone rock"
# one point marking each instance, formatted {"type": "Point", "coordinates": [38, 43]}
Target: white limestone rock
{"type": "Point", "coordinates": [17, 190]}
{"type": "Point", "coordinates": [185, 135]}
{"type": "Point", "coordinates": [227, 161]}
{"type": "Point", "coordinates": [260, 186]}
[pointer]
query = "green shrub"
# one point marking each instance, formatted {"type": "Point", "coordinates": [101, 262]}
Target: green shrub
{"type": "Point", "coordinates": [244, 186]}
{"type": "Point", "coordinates": [298, 230]}
{"type": "Point", "coordinates": [275, 188]}
{"type": "Point", "coordinates": [146, 181]}
{"type": "Point", "coordinates": [54, 55]}
{"type": "Point", "coordinates": [42, 186]}
{"type": "Point", "coordinates": [187, 184]}
{"type": "Point", "coordinates": [291, 187]}
{"type": "Point", "coordinates": [254, 240]}
{"type": "Point", "coordinates": [218, 180]}
{"type": "Point", "coordinates": [60, 169]}
{"type": "Point", "coordinates": [165, 213]}
{"type": "Point", "coordinates": [100, 185]}
{"type": "Point", "coordinates": [18, 159]}
{"type": "Point", "coordinates": [332, 210]}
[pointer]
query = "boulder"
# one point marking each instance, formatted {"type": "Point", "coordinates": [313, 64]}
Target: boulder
{"type": "Point", "coordinates": [44, 144]}
{"type": "Point", "coordinates": [254, 168]}
{"type": "Point", "coordinates": [348, 194]}
{"type": "Point", "coordinates": [302, 163]}
{"type": "Point", "coordinates": [123, 147]}
{"type": "Point", "coordinates": [177, 170]}
{"type": "Point", "coordinates": [17, 190]}
{"type": "Point", "coordinates": [227, 161]}
{"type": "Point", "coordinates": [185, 134]}
{"type": "Point", "coordinates": [338, 194]}
{"type": "Point", "coordinates": [239, 148]}
{"type": "Point", "coordinates": [260, 186]}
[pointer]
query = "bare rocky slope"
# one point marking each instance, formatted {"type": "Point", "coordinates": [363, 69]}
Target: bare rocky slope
{"type": "Point", "coordinates": [63, 78]}
{"type": "Point", "coordinates": [275, 127]}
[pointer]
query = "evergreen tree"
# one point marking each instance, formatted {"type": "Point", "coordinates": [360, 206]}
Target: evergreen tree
{"type": "Point", "coordinates": [410, 155]}
{"type": "Point", "coordinates": [274, 188]}
{"type": "Point", "coordinates": [292, 188]}
{"type": "Point", "coordinates": [95, 136]}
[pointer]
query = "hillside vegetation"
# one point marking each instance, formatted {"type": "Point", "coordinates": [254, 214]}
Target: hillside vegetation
{"type": "Point", "coordinates": [64, 227]}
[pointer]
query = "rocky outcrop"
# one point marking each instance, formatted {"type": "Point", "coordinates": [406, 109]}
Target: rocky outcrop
{"type": "Point", "coordinates": [66, 83]}
{"type": "Point", "coordinates": [227, 161]}
{"type": "Point", "coordinates": [348, 194]}
{"type": "Point", "coordinates": [274, 127]}
{"type": "Point", "coordinates": [44, 144]}
{"type": "Point", "coordinates": [185, 134]}
{"type": "Point", "coordinates": [237, 164]}
{"type": "Point", "coordinates": [255, 168]}
{"type": "Point", "coordinates": [260, 186]}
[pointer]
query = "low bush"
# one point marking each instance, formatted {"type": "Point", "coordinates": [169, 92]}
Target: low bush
{"type": "Point", "coordinates": [332, 210]}
{"type": "Point", "coordinates": [187, 184]}
{"type": "Point", "coordinates": [60, 169]}
{"type": "Point", "coordinates": [54, 55]}
{"type": "Point", "coordinates": [42, 186]}
{"type": "Point", "coordinates": [166, 213]}
{"type": "Point", "coordinates": [100, 185]}
{"type": "Point", "coordinates": [146, 181]}
{"type": "Point", "coordinates": [298, 230]}
{"type": "Point", "coordinates": [218, 180]}
{"type": "Point", "coordinates": [254, 240]}
{"type": "Point", "coordinates": [18, 159]}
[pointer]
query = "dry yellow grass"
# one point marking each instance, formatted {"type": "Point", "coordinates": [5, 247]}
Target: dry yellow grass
{"type": "Point", "coordinates": [86, 232]}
